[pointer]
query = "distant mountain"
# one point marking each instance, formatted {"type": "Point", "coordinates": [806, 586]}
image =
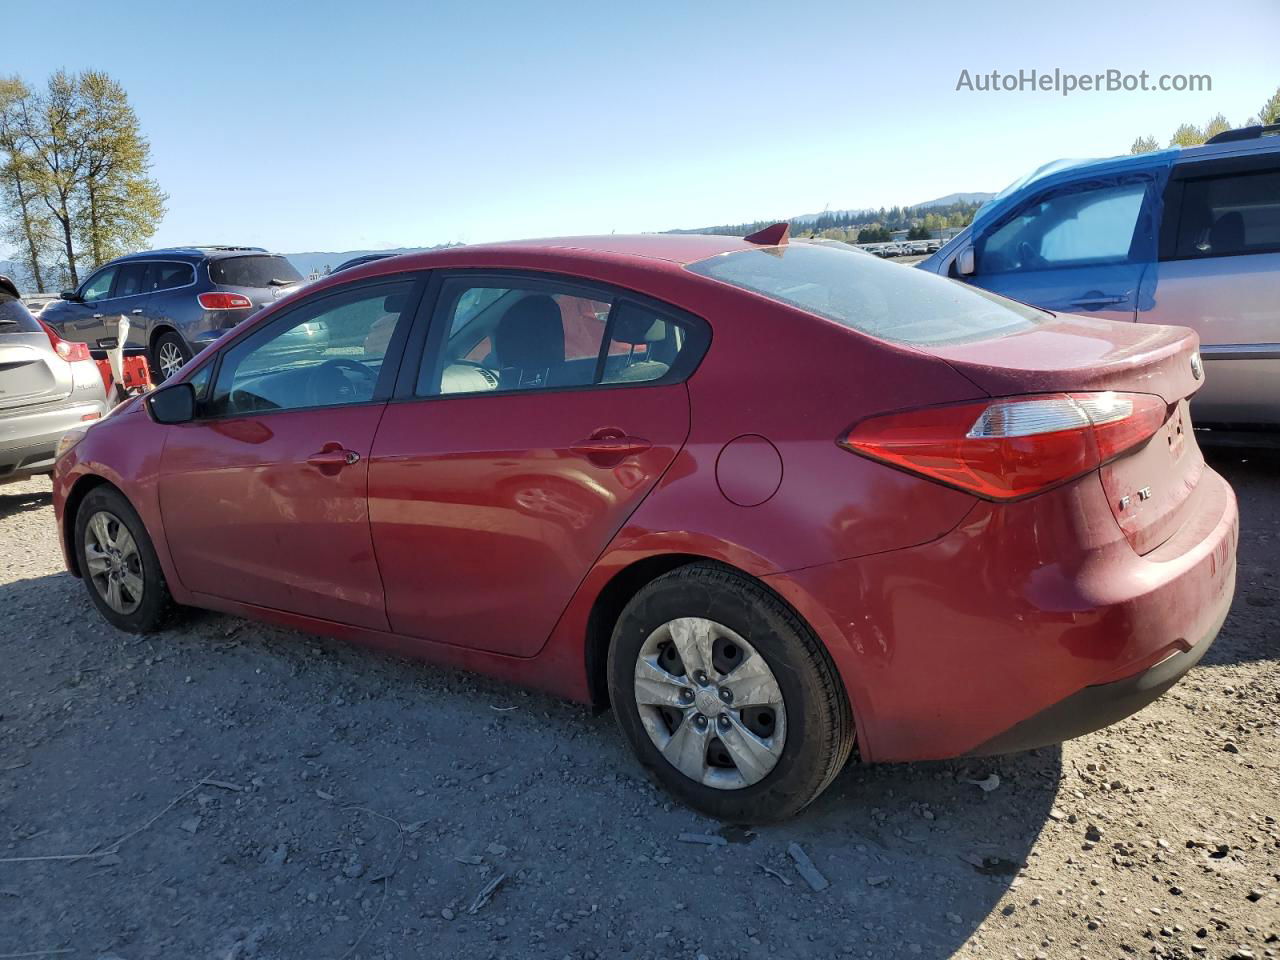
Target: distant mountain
{"type": "Point", "coordinates": [951, 198]}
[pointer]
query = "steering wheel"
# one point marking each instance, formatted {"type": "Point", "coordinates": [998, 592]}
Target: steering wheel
{"type": "Point", "coordinates": [1029, 257]}
{"type": "Point", "coordinates": [328, 383]}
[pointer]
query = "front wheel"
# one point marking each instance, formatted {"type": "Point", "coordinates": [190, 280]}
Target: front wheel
{"type": "Point", "coordinates": [168, 354]}
{"type": "Point", "coordinates": [726, 696]}
{"type": "Point", "coordinates": [119, 565]}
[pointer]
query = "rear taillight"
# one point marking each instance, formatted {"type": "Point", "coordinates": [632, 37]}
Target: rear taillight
{"type": "Point", "coordinates": [1011, 447]}
{"type": "Point", "coordinates": [68, 351]}
{"type": "Point", "coordinates": [216, 300]}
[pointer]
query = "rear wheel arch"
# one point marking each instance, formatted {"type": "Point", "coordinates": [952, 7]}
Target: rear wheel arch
{"type": "Point", "coordinates": [629, 581]}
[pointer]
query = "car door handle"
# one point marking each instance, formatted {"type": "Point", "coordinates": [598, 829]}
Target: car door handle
{"type": "Point", "coordinates": [1099, 300]}
{"type": "Point", "coordinates": [136, 312]}
{"type": "Point", "coordinates": [97, 316]}
{"type": "Point", "coordinates": [607, 449]}
{"type": "Point", "coordinates": [333, 455]}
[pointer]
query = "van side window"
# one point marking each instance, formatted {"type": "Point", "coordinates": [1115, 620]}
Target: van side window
{"type": "Point", "coordinates": [1067, 228]}
{"type": "Point", "coordinates": [1230, 214]}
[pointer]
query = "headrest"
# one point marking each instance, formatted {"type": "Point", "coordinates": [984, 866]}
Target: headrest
{"type": "Point", "coordinates": [1227, 233]}
{"type": "Point", "coordinates": [636, 327]}
{"type": "Point", "coordinates": [530, 334]}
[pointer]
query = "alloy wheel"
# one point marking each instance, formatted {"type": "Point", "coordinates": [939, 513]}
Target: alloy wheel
{"type": "Point", "coordinates": [113, 562]}
{"type": "Point", "coordinates": [710, 703]}
{"type": "Point", "coordinates": [170, 357]}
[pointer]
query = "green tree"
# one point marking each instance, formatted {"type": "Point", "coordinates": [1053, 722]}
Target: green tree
{"type": "Point", "coordinates": [120, 206]}
{"type": "Point", "coordinates": [1187, 135]}
{"type": "Point", "coordinates": [24, 227]}
{"type": "Point", "coordinates": [1270, 112]}
{"type": "Point", "coordinates": [918, 231]}
{"type": "Point", "coordinates": [1217, 124]}
{"type": "Point", "coordinates": [1144, 145]}
{"type": "Point", "coordinates": [83, 163]}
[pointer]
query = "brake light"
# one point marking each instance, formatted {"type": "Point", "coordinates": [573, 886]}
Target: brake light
{"type": "Point", "coordinates": [1011, 447]}
{"type": "Point", "coordinates": [68, 351]}
{"type": "Point", "coordinates": [216, 300]}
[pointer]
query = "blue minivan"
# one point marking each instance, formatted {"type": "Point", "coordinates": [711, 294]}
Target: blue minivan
{"type": "Point", "coordinates": [1181, 236]}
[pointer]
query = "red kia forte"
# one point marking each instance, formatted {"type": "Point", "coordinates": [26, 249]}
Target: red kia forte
{"type": "Point", "coordinates": [768, 500]}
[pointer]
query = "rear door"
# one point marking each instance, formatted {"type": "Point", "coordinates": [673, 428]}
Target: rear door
{"type": "Point", "coordinates": [1219, 273]}
{"type": "Point", "coordinates": [1076, 248]}
{"type": "Point", "coordinates": [129, 297]}
{"type": "Point", "coordinates": [171, 299]}
{"type": "Point", "coordinates": [541, 414]}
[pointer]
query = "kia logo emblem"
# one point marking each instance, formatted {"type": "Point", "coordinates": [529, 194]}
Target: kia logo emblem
{"type": "Point", "coordinates": [1197, 368]}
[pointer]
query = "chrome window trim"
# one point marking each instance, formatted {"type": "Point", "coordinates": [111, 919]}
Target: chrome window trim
{"type": "Point", "coordinates": [1241, 351]}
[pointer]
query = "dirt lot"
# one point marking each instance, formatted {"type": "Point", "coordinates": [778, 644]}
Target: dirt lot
{"type": "Point", "coordinates": [239, 791]}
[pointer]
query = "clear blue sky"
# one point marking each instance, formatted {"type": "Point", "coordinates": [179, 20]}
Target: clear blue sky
{"type": "Point", "coordinates": [341, 125]}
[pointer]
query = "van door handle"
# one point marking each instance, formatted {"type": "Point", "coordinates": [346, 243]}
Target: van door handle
{"type": "Point", "coordinates": [1096, 299]}
{"type": "Point", "coordinates": [608, 448]}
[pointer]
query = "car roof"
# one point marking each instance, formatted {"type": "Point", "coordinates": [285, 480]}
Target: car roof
{"type": "Point", "coordinates": [195, 253]}
{"type": "Point", "coordinates": [649, 252]}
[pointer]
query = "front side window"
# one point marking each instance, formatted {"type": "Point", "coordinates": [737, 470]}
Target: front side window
{"type": "Point", "coordinates": [1086, 225]}
{"type": "Point", "coordinates": [321, 354]}
{"type": "Point", "coordinates": [507, 337]}
{"type": "Point", "coordinates": [98, 286]}
{"type": "Point", "coordinates": [1228, 215]}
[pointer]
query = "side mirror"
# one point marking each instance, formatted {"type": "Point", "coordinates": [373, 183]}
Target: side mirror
{"type": "Point", "coordinates": [70, 295]}
{"type": "Point", "coordinates": [172, 404]}
{"type": "Point", "coordinates": [965, 262]}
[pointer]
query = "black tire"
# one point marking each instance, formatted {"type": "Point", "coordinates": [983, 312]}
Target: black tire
{"type": "Point", "coordinates": [166, 345]}
{"type": "Point", "coordinates": [820, 729]}
{"type": "Point", "coordinates": [155, 607]}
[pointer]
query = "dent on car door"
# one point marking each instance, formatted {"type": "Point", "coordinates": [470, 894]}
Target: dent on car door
{"type": "Point", "coordinates": [1219, 273]}
{"type": "Point", "coordinates": [1076, 248]}
{"type": "Point", "coordinates": [540, 417]}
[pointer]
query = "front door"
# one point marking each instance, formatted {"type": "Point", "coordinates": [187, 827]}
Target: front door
{"type": "Point", "coordinates": [264, 498]}
{"type": "Point", "coordinates": [82, 320]}
{"type": "Point", "coordinates": [541, 416]}
{"type": "Point", "coordinates": [1080, 248]}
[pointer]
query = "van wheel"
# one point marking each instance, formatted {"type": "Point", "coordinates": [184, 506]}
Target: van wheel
{"type": "Point", "coordinates": [119, 564]}
{"type": "Point", "coordinates": [728, 699]}
{"type": "Point", "coordinates": [168, 354]}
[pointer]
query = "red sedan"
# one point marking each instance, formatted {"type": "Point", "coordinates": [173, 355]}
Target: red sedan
{"type": "Point", "coordinates": [769, 500]}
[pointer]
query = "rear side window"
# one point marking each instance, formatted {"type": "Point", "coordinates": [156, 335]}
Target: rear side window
{"type": "Point", "coordinates": [876, 297]}
{"type": "Point", "coordinates": [167, 276]}
{"type": "Point", "coordinates": [263, 271]}
{"type": "Point", "coordinates": [505, 336]}
{"type": "Point", "coordinates": [129, 279]}
{"type": "Point", "coordinates": [15, 317]}
{"type": "Point", "coordinates": [1228, 215]}
{"type": "Point", "coordinates": [1071, 227]}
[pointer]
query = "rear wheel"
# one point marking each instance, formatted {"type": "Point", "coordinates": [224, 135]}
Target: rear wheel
{"type": "Point", "coordinates": [168, 354]}
{"type": "Point", "coordinates": [119, 565]}
{"type": "Point", "coordinates": [726, 696]}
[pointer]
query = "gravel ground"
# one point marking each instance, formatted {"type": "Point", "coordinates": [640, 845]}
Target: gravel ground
{"type": "Point", "coordinates": [235, 791]}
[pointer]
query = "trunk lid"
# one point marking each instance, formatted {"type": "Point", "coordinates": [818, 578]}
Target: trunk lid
{"type": "Point", "coordinates": [30, 372]}
{"type": "Point", "coordinates": [1150, 487]}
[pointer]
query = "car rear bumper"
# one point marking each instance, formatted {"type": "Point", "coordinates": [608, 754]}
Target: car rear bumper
{"type": "Point", "coordinates": [1029, 623]}
{"type": "Point", "coordinates": [29, 441]}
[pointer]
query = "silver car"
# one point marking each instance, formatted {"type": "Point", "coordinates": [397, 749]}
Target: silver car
{"type": "Point", "coordinates": [47, 387]}
{"type": "Point", "coordinates": [1182, 236]}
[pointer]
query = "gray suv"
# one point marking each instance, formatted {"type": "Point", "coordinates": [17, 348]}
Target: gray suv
{"type": "Point", "coordinates": [47, 387]}
{"type": "Point", "coordinates": [177, 301]}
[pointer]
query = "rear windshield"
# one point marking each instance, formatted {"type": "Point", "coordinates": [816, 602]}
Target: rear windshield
{"type": "Point", "coordinates": [885, 300]}
{"type": "Point", "coordinates": [15, 317]}
{"type": "Point", "coordinates": [253, 271]}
